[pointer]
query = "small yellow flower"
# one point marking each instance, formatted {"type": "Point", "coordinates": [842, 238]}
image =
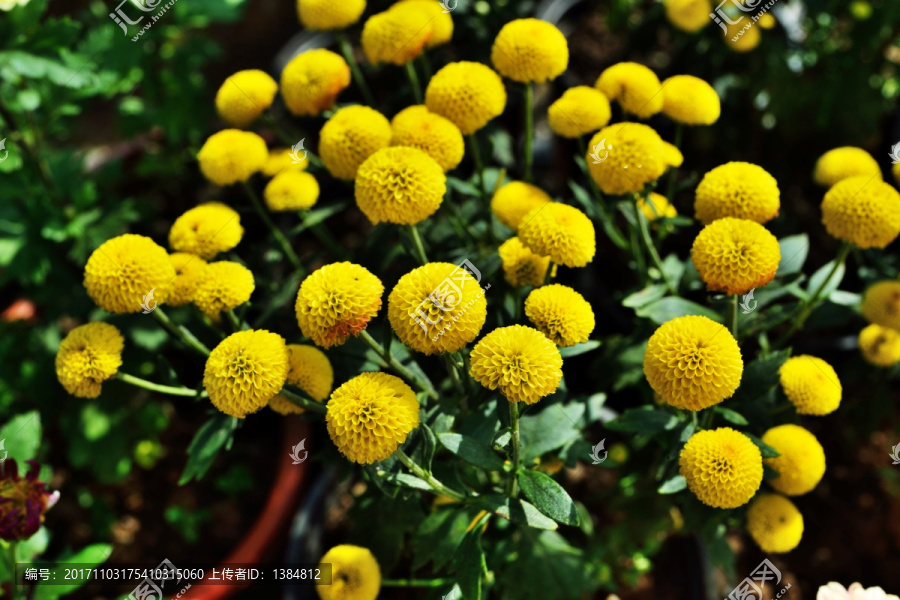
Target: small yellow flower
{"type": "Point", "coordinates": [723, 467]}
{"type": "Point", "coordinates": [311, 82]}
{"type": "Point", "coordinates": [802, 461]}
{"type": "Point", "coordinates": [579, 111]}
{"type": "Point", "coordinates": [521, 266]}
{"type": "Point", "coordinates": [688, 15]}
{"type": "Point", "coordinates": [124, 269]}
{"type": "Point", "coordinates": [231, 156]}
{"type": "Point", "coordinates": [310, 370]}
{"type": "Point", "coordinates": [530, 50]}
{"type": "Point", "coordinates": [187, 272]}
{"type": "Point", "coordinates": [635, 87]}
{"type": "Point", "coordinates": [672, 155]}
{"type": "Point", "coordinates": [625, 157]}
{"type": "Point", "coordinates": [398, 35]}
{"type": "Point", "coordinates": [560, 313]}
{"type": "Point", "coordinates": [881, 304]}
{"type": "Point", "coordinates": [370, 416]}
{"type": "Point", "coordinates": [282, 159]}
{"type": "Point", "coordinates": [441, 21]}
{"type": "Point", "coordinates": [418, 127]}
{"type": "Point", "coordinates": [767, 21]}
{"type": "Point", "coordinates": [206, 230]}
{"type": "Point", "coordinates": [656, 206]}
{"type": "Point", "coordinates": [774, 523]}
{"type": "Point", "coordinates": [811, 385]}
{"type": "Point", "coordinates": [354, 574]}
{"type": "Point", "coordinates": [559, 231]}
{"type": "Point", "coordinates": [400, 185]}
{"type": "Point", "coordinates": [325, 15]}
{"type": "Point", "coordinates": [880, 346]}
{"type": "Point", "coordinates": [516, 199]}
{"type": "Point", "coordinates": [337, 301]}
{"type": "Point", "coordinates": [862, 210]}
{"type": "Point", "coordinates": [740, 39]}
{"type": "Point", "coordinates": [351, 136]}
{"type": "Point", "coordinates": [690, 100]}
{"type": "Point", "coordinates": [693, 362]}
{"type": "Point", "coordinates": [223, 285]}
{"type": "Point", "coordinates": [840, 163]}
{"type": "Point", "coordinates": [245, 96]}
{"type": "Point", "coordinates": [245, 371]}
{"type": "Point", "coordinates": [291, 190]}
{"type": "Point", "coordinates": [519, 361]}
{"type": "Point", "coordinates": [737, 189]}
{"type": "Point", "coordinates": [468, 93]}
{"type": "Point", "coordinates": [89, 355]}
{"type": "Point", "coordinates": [735, 255]}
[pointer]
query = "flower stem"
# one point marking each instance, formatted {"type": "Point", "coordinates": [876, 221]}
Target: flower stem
{"type": "Point", "coordinates": [414, 82]}
{"type": "Point", "coordinates": [302, 402]}
{"type": "Point", "coordinates": [651, 248]}
{"type": "Point", "coordinates": [529, 130]}
{"type": "Point", "coordinates": [13, 579]}
{"type": "Point", "coordinates": [395, 364]}
{"type": "Point", "coordinates": [479, 165]}
{"type": "Point", "coordinates": [428, 583]}
{"type": "Point", "coordinates": [733, 316]}
{"type": "Point", "coordinates": [670, 188]}
{"type": "Point", "coordinates": [417, 244]}
{"type": "Point", "coordinates": [180, 332]}
{"type": "Point", "coordinates": [157, 387]}
{"type": "Point", "coordinates": [279, 236]}
{"type": "Point", "coordinates": [235, 322]}
{"type": "Point", "coordinates": [324, 236]}
{"type": "Point", "coordinates": [513, 483]}
{"type": "Point", "coordinates": [549, 274]}
{"type": "Point", "coordinates": [454, 375]}
{"type": "Point", "coordinates": [638, 253]}
{"type": "Point", "coordinates": [347, 51]}
{"type": "Point", "coordinates": [421, 473]}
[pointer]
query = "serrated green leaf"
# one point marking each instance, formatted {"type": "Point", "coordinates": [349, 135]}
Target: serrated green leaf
{"type": "Point", "coordinates": [548, 497]}
{"type": "Point", "coordinates": [471, 450]}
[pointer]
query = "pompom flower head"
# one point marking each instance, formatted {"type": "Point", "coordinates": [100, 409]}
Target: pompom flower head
{"type": "Point", "coordinates": [351, 136]}
{"type": "Point", "coordinates": [187, 273]}
{"type": "Point", "coordinates": [310, 370]}
{"type": "Point", "coordinates": [326, 15]}
{"type": "Point", "coordinates": [370, 416]}
{"type": "Point", "coordinates": [206, 230]}
{"type": "Point", "coordinates": [737, 189]}
{"type": "Point", "coordinates": [245, 370]}
{"type": "Point", "coordinates": [625, 157]}
{"type": "Point", "coordinates": [774, 523]}
{"type": "Point", "coordinates": [521, 266]}
{"type": "Point", "coordinates": [692, 362]}
{"type": "Point", "coordinates": [519, 361]}
{"type": "Point", "coordinates": [245, 96]}
{"type": "Point", "coordinates": [437, 308]}
{"type": "Point", "coordinates": [311, 82]}
{"type": "Point", "coordinates": [559, 231]}
{"type": "Point", "coordinates": [690, 100]}
{"type": "Point", "coordinates": [89, 355]}
{"type": "Point", "coordinates": [530, 50]}
{"type": "Point", "coordinates": [468, 93]}
{"type": "Point", "coordinates": [400, 185]}
{"type": "Point", "coordinates": [124, 269]}
{"type": "Point", "coordinates": [840, 163]}
{"type": "Point", "coordinates": [811, 385]}
{"type": "Point", "coordinates": [398, 35]}
{"type": "Point", "coordinates": [283, 160]}
{"type": "Point", "coordinates": [23, 501]}
{"type": "Point", "coordinates": [881, 304]}
{"type": "Point", "coordinates": [735, 255]}
{"type": "Point", "coordinates": [742, 40]}
{"type": "Point", "coordinates": [688, 15]}
{"type": "Point", "coordinates": [802, 462]}
{"type": "Point", "coordinates": [355, 574]}
{"type": "Point", "coordinates": [337, 301]}
{"type": "Point", "coordinates": [656, 206]}
{"type": "Point", "coordinates": [291, 190]}
{"type": "Point", "coordinates": [232, 156]}
{"type": "Point", "coordinates": [440, 20]}
{"type": "Point", "coordinates": [723, 467]}
{"type": "Point", "coordinates": [516, 199]}
{"type": "Point", "coordinates": [635, 87]}
{"type": "Point", "coordinates": [579, 111]}
{"type": "Point", "coordinates": [418, 127]}
{"type": "Point", "coordinates": [560, 313]}
{"type": "Point", "coordinates": [879, 345]}
{"type": "Point", "coordinates": [223, 285]}
{"type": "Point", "coordinates": [862, 210]}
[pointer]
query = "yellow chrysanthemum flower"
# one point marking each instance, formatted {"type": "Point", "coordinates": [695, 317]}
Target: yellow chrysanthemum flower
{"type": "Point", "coordinates": [245, 371]}
{"type": "Point", "coordinates": [223, 285]}
{"type": "Point", "coordinates": [690, 100]}
{"type": "Point", "coordinates": [802, 461]}
{"type": "Point", "coordinates": [635, 87]}
{"type": "Point", "coordinates": [282, 160]}
{"type": "Point", "coordinates": [441, 21]}
{"type": "Point", "coordinates": [579, 111]}
{"type": "Point", "coordinates": [774, 523]}
{"type": "Point", "coordinates": [400, 185]}
{"type": "Point", "coordinates": [398, 35]}
{"type": "Point", "coordinates": [468, 93]}
{"type": "Point", "coordinates": [688, 15]}
{"type": "Point", "coordinates": [881, 304]}
{"type": "Point", "coordinates": [337, 301]}
{"type": "Point", "coordinates": [742, 40]}
{"type": "Point", "coordinates": [521, 266]}
{"type": "Point", "coordinates": [187, 273]}
{"type": "Point", "coordinates": [863, 211]}
{"type": "Point", "coordinates": [89, 355]}
{"type": "Point", "coordinates": [516, 199]}
{"type": "Point", "coordinates": [354, 574]}
{"type": "Point", "coordinates": [880, 346]}
{"type": "Point", "coordinates": [310, 370]}
{"type": "Point", "coordinates": [351, 136]}
{"type": "Point", "coordinates": [245, 96]}
{"type": "Point", "coordinates": [206, 230]}
{"type": "Point", "coordinates": [735, 255]}
{"type": "Point", "coordinates": [437, 308]}
{"type": "Point", "coordinates": [312, 80]}
{"type": "Point", "coordinates": [291, 190]}
{"type": "Point", "coordinates": [625, 157]}
{"type": "Point", "coordinates": [124, 269]}
{"type": "Point", "coordinates": [530, 50]}
{"type": "Point", "coordinates": [811, 385]}
{"type": "Point", "coordinates": [840, 163]}
{"type": "Point", "coordinates": [672, 155]}
{"type": "Point", "coordinates": [418, 127]}
{"type": "Point", "coordinates": [656, 206]}
{"type": "Point", "coordinates": [559, 231]}
{"type": "Point", "coordinates": [325, 15]}
{"type": "Point", "coordinates": [231, 156]}
{"type": "Point", "coordinates": [737, 189]}
{"type": "Point", "coordinates": [370, 416]}
{"type": "Point", "coordinates": [723, 467]}
{"type": "Point", "coordinates": [692, 362]}
{"type": "Point", "coordinates": [560, 313]}
{"type": "Point", "coordinates": [519, 361]}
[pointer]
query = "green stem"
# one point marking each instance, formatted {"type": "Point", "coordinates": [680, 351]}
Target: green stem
{"type": "Point", "coordinates": [233, 319]}
{"type": "Point", "coordinates": [421, 473]}
{"type": "Point", "coordinates": [417, 244]}
{"type": "Point", "coordinates": [395, 364]}
{"type": "Point", "coordinates": [638, 253]}
{"type": "Point", "coordinates": [513, 483]}
{"type": "Point", "coordinates": [733, 316]}
{"type": "Point", "coordinates": [11, 558]}
{"type": "Point", "coordinates": [414, 82]}
{"type": "Point", "coordinates": [279, 236]}
{"type": "Point", "coordinates": [347, 51]}
{"type": "Point", "coordinates": [670, 188]}
{"type": "Point", "coordinates": [454, 375]}
{"type": "Point", "coordinates": [428, 583]}
{"type": "Point", "coordinates": [651, 247]}
{"type": "Point", "coordinates": [180, 332]}
{"type": "Point", "coordinates": [529, 130]}
{"type": "Point", "coordinates": [549, 274]}
{"type": "Point", "coordinates": [479, 165]}
{"type": "Point", "coordinates": [302, 402]}
{"type": "Point", "coordinates": [708, 416]}
{"type": "Point", "coordinates": [426, 66]}
{"type": "Point", "coordinates": [156, 387]}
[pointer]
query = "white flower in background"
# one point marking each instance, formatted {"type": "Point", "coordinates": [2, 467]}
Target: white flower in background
{"type": "Point", "coordinates": [8, 5]}
{"type": "Point", "coordinates": [835, 591]}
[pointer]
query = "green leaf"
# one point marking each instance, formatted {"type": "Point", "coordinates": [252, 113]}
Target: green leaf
{"type": "Point", "coordinates": [821, 275]}
{"type": "Point", "coordinates": [730, 415]}
{"type": "Point", "coordinates": [579, 348]}
{"type": "Point", "coordinates": [547, 567]}
{"type": "Point", "coordinates": [760, 376]}
{"type": "Point", "coordinates": [501, 438]}
{"type": "Point", "coordinates": [645, 296]}
{"type": "Point", "coordinates": [209, 440]}
{"type": "Point", "coordinates": [404, 480]}
{"type": "Point", "coordinates": [517, 511]}
{"type": "Point", "coordinates": [766, 450]}
{"type": "Point", "coordinates": [439, 535]}
{"type": "Point", "coordinates": [548, 497]}
{"type": "Point", "coordinates": [87, 558]}
{"type": "Point", "coordinates": [21, 437]}
{"type": "Point", "coordinates": [673, 485]}
{"type": "Point", "coordinates": [673, 307]}
{"type": "Point", "coordinates": [472, 451]}
{"type": "Point", "coordinates": [429, 447]}
{"type": "Point", "coordinates": [554, 427]}
{"type": "Point", "coordinates": [645, 419]}
{"type": "Point", "coordinates": [794, 250]}
{"type": "Point", "coordinates": [470, 565]}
